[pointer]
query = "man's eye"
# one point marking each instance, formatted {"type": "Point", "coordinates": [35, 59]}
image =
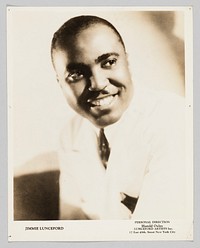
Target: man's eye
{"type": "Point", "coordinates": [74, 76]}
{"type": "Point", "coordinates": [109, 63]}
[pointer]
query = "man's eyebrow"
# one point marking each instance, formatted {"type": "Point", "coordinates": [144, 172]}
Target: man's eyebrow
{"type": "Point", "coordinates": [74, 66]}
{"type": "Point", "coordinates": [105, 56]}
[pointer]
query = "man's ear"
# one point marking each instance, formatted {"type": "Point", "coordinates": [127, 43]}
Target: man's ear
{"type": "Point", "coordinates": [127, 57]}
{"type": "Point", "coordinates": [57, 79]}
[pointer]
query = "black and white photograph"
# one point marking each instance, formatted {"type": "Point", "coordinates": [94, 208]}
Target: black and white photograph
{"type": "Point", "coordinates": [100, 123]}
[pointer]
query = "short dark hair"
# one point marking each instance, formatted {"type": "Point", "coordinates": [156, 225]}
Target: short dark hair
{"type": "Point", "coordinates": [74, 26]}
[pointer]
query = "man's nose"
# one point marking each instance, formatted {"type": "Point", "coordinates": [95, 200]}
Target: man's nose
{"type": "Point", "coordinates": [98, 81]}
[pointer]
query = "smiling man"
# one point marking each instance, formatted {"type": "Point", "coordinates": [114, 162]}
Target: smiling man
{"type": "Point", "coordinates": [122, 155]}
{"type": "Point", "coordinates": [92, 69]}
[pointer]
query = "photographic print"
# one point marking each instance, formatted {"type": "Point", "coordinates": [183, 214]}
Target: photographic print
{"type": "Point", "coordinates": [100, 116]}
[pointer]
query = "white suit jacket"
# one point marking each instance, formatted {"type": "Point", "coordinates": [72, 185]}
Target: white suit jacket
{"type": "Point", "coordinates": [147, 162]}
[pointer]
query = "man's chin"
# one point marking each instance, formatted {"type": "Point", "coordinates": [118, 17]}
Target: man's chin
{"type": "Point", "coordinates": [105, 120]}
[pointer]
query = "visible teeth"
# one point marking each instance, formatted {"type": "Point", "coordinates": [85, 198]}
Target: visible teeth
{"type": "Point", "coordinates": [103, 101]}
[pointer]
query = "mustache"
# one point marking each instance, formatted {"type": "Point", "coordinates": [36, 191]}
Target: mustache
{"type": "Point", "coordinates": [88, 96]}
{"type": "Point", "coordinates": [94, 95]}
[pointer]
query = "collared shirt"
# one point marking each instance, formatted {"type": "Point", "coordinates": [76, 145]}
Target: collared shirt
{"type": "Point", "coordinates": [147, 161]}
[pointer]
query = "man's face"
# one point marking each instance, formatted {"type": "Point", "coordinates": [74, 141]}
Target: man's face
{"type": "Point", "coordinates": [94, 76]}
